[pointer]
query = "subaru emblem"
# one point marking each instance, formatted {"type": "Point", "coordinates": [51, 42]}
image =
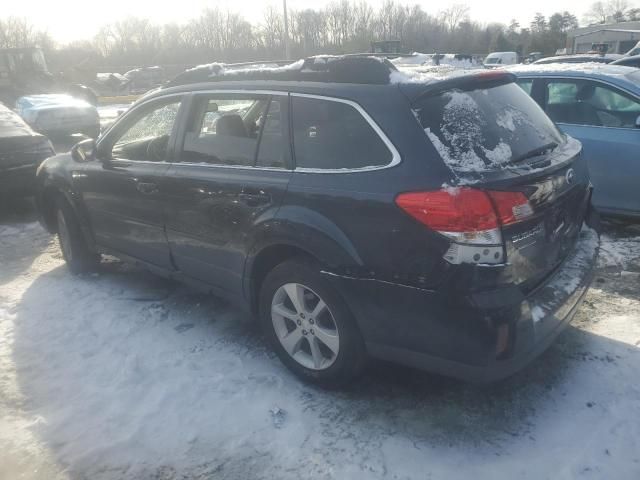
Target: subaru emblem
{"type": "Point", "coordinates": [570, 176]}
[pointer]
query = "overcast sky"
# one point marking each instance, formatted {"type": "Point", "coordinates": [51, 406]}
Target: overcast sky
{"type": "Point", "coordinates": [79, 19]}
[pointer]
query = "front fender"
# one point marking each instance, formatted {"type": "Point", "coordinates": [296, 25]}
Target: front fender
{"type": "Point", "coordinates": [55, 179]}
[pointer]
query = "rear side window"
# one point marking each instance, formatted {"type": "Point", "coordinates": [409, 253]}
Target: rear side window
{"type": "Point", "coordinates": [583, 102]}
{"type": "Point", "coordinates": [332, 135]}
{"type": "Point", "coordinates": [273, 147]}
{"type": "Point", "coordinates": [526, 85]}
{"type": "Point", "coordinates": [485, 129]}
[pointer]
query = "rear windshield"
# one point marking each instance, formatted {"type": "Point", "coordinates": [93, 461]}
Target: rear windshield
{"type": "Point", "coordinates": [486, 129]}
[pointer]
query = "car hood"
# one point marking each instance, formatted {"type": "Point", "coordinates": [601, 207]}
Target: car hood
{"type": "Point", "coordinates": [53, 101]}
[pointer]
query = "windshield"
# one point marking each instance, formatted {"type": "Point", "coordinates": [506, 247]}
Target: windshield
{"type": "Point", "coordinates": [493, 60]}
{"type": "Point", "coordinates": [486, 129]}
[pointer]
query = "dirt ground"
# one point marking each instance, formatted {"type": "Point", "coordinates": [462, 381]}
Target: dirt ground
{"type": "Point", "coordinates": [124, 375]}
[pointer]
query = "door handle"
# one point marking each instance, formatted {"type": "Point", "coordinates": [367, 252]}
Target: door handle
{"type": "Point", "coordinates": [147, 188]}
{"type": "Point", "coordinates": [253, 199]}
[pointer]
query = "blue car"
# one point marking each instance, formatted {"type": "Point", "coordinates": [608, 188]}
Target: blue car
{"type": "Point", "coordinates": [600, 106]}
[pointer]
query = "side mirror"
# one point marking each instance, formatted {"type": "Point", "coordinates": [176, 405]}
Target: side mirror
{"type": "Point", "coordinates": [84, 151]}
{"type": "Point", "coordinates": [638, 122]}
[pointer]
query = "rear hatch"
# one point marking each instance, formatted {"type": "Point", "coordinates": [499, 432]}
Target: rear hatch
{"type": "Point", "coordinates": [519, 186]}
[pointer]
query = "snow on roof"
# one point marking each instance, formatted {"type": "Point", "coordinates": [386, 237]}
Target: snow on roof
{"type": "Point", "coordinates": [587, 68]}
{"type": "Point", "coordinates": [607, 30]}
{"type": "Point", "coordinates": [431, 73]}
{"type": "Point", "coordinates": [219, 69]}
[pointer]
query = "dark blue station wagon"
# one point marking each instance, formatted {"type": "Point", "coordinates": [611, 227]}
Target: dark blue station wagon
{"type": "Point", "coordinates": [357, 210]}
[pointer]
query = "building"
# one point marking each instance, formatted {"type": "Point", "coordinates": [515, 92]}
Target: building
{"type": "Point", "coordinates": [621, 37]}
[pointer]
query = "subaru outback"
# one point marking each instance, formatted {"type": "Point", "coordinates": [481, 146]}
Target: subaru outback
{"type": "Point", "coordinates": [356, 210]}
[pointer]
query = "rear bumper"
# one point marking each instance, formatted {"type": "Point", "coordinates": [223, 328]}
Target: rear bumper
{"type": "Point", "coordinates": [481, 337]}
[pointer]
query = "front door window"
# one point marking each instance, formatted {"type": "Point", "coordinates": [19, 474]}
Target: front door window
{"type": "Point", "coordinates": [147, 137]}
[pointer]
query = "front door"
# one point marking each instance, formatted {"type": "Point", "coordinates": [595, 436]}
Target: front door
{"type": "Point", "coordinates": [123, 192]}
{"type": "Point", "coordinates": [228, 180]}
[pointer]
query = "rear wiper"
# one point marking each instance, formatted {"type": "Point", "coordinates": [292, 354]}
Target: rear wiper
{"type": "Point", "coordinates": [536, 152]}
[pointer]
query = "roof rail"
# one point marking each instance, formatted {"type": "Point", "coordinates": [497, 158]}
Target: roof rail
{"type": "Point", "coordinates": [354, 68]}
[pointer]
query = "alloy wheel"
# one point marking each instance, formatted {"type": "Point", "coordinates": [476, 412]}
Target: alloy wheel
{"type": "Point", "coordinates": [305, 326]}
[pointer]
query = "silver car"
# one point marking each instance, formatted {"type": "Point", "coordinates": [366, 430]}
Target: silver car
{"type": "Point", "coordinates": [59, 114]}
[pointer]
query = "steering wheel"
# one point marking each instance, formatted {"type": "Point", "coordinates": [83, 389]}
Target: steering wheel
{"type": "Point", "coordinates": [157, 148]}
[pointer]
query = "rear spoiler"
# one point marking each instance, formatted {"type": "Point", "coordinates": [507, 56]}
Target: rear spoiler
{"type": "Point", "coordinates": [466, 81]}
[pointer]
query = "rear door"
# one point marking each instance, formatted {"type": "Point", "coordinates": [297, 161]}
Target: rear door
{"type": "Point", "coordinates": [232, 172]}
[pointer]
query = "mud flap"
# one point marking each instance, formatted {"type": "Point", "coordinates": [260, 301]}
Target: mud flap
{"type": "Point", "coordinates": [592, 218]}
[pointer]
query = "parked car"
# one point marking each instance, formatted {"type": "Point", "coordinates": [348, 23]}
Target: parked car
{"type": "Point", "coordinates": [59, 114]}
{"type": "Point", "coordinates": [498, 59]}
{"type": "Point", "coordinates": [633, 61]}
{"type": "Point", "coordinates": [634, 51]}
{"type": "Point", "coordinates": [145, 78]}
{"type": "Point", "coordinates": [21, 152]}
{"type": "Point", "coordinates": [580, 58]}
{"type": "Point", "coordinates": [354, 210]}
{"type": "Point", "coordinates": [600, 106]}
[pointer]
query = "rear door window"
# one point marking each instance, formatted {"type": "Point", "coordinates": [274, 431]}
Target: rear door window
{"type": "Point", "coordinates": [526, 85]}
{"type": "Point", "coordinates": [274, 147]}
{"type": "Point", "coordinates": [225, 130]}
{"type": "Point", "coordinates": [584, 102]}
{"type": "Point", "coordinates": [487, 128]}
{"type": "Point", "coordinates": [333, 135]}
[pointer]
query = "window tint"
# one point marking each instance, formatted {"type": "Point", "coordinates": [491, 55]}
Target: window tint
{"type": "Point", "coordinates": [562, 92]}
{"type": "Point", "coordinates": [486, 128]}
{"type": "Point", "coordinates": [526, 85]}
{"type": "Point", "coordinates": [147, 138]}
{"type": "Point", "coordinates": [224, 131]}
{"type": "Point", "coordinates": [272, 151]}
{"type": "Point", "coordinates": [334, 135]}
{"type": "Point", "coordinates": [583, 102]}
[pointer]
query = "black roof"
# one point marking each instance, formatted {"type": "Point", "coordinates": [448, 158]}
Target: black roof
{"type": "Point", "coordinates": [350, 76]}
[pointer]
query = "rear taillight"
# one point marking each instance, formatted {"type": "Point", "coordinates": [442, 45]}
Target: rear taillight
{"type": "Point", "coordinates": [470, 217]}
{"type": "Point", "coordinates": [511, 207]}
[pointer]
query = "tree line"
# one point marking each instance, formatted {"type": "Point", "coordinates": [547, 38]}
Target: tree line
{"type": "Point", "coordinates": [341, 27]}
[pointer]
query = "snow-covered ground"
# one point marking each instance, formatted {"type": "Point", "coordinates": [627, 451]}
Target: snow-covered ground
{"type": "Point", "coordinates": [123, 375]}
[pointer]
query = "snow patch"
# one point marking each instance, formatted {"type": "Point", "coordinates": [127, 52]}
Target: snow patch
{"type": "Point", "coordinates": [500, 154]}
{"type": "Point", "coordinates": [537, 313]}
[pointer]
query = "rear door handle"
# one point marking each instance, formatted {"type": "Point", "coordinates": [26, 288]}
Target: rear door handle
{"type": "Point", "coordinates": [147, 188]}
{"type": "Point", "coordinates": [254, 199]}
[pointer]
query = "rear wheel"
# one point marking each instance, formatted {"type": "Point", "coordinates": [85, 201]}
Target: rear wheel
{"type": "Point", "coordinates": [72, 243]}
{"type": "Point", "coordinates": [309, 325]}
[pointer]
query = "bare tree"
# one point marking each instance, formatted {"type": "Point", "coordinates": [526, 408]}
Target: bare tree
{"type": "Point", "coordinates": [453, 15]}
{"type": "Point", "coordinates": [597, 13]}
{"type": "Point", "coordinates": [16, 32]}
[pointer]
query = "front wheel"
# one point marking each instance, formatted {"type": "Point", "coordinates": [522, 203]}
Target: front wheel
{"type": "Point", "coordinates": [309, 325]}
{"type": "Point", "coordinates": [72, 243]}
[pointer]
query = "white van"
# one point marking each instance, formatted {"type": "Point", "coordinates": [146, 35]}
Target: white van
{"type": "Point", "coordinates": [497, 59]}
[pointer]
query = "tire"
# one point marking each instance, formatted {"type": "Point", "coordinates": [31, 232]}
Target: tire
{"type": "Point", "coordinates": [72, 242]}
{"type": "Point", "coordinates": [327, 350]}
